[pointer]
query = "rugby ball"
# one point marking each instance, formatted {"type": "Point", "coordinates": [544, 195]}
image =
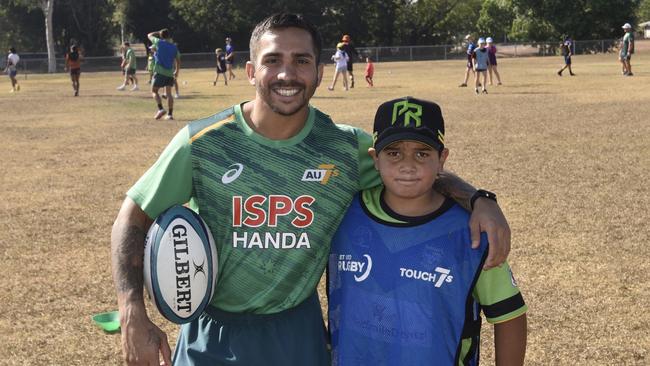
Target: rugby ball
{"type": "Point", "coordinates": [180, 264]}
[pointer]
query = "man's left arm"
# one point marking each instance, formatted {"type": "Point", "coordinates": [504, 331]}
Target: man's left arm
{"type": "Point", "coordinates": [486, 216]}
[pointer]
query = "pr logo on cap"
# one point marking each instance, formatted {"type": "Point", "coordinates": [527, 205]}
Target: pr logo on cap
{"type": "Point", "coordinates": [410, 111]}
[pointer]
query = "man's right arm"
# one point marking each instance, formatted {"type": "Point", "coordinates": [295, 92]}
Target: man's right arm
{"type": "Point", "coordinates": [142, 341]}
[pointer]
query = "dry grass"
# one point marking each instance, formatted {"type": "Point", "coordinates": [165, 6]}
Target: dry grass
{"type": "Point", "coordinates": [569, 158]}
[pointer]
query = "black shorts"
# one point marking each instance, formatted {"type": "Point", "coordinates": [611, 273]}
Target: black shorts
{"type": "Point", "coordinates": [130, 71]}
{"type": "Point", "coordinates": [221, 71]}
{"type": "Point", "coordinates": [349, 66]}
{"type": "Point", "coordinates": [76, 71]}
{"type": "Point", "coordinates": [567, 60]}
{"type": "Point", "coordinates": [160, 81]}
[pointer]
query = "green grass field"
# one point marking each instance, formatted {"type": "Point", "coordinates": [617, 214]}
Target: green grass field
{"type": "Point", "coordinates": [568, 156]}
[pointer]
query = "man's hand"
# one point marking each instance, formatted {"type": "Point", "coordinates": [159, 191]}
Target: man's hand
{"type": "Point", "coordinates": [488, 217]}
{"type": "Point", "coordinates": [142, 341]}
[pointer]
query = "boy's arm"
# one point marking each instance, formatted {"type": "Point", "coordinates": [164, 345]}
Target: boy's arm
{"type": "Point", "coordinates": [486, 217]}
{"type": "Point", "coordinates": [510, 341]}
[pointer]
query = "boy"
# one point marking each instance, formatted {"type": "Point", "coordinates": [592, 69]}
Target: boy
{"type": "Point", "coordinates": [221, 67]}
{"type": "Point", "coordinates": [470, 56]}
{"type": "Point", "coordinates": [481, 63]}
{"type": "Point", "coordinates": [12, 70]}
{"type": "Point", "coordinates": [129, 67]}
{"type": "Point", "coordinates": [370, 71]}
{"type": "Point", "coordinates": [566, 48]}
{"type": "Point", "coordinates": [403, 287]}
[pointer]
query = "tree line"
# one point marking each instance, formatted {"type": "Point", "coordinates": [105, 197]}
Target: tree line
{"type": "Point", "coordinates": [201, 25]}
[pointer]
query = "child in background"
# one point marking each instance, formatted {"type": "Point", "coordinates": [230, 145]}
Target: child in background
{"type": "Point", "coordinates": [221, 66]}
{"type": "Point", "coordinates": [481, 63]}
{"type": "Point", "coordinates": [492, 58]}
{"type": "Point", "coordinates": [341, 59]}
{"type": "Point", "coordinates": [370, 71]}
{"type": "Point", "coordinates": [73, 65]}
{"type": "Point", "coordinates": [566, 49]}
{"type": "Point", "coordinates": [404, 286]}
{"type": "Point", "coordinates": [150, 62]}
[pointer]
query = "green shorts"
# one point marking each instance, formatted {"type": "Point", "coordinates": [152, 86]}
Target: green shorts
{"type": "Point", "coordinates": [294, 337]}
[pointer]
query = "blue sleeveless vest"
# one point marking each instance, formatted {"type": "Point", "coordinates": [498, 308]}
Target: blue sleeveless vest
{"type": "Point", "coordinates": [402, 295]}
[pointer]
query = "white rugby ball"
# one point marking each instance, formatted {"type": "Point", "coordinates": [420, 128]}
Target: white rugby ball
{"type": "Point", "coordinates": [180, 264]}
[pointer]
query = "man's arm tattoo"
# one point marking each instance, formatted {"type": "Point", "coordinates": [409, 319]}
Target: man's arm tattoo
{"type": "Point", "coordinates": [128, 261]}
{"type": "Point", "coordinates": [454, 187]}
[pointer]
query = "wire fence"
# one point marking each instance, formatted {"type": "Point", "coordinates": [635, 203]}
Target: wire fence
{"type": "Point", "coordinates": [37, 63]}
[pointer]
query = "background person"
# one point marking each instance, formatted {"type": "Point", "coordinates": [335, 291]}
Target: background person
{"type": "Point", "coordinates": [129, 67]}
{"type": "Point", "coordinates": [566, 49]}
{"type": "Point", "coordinates": [492, 58]}
{"type": "Point", "coordinates": [73, 64]}
{"type": "Point", "coordinates": [340, 59]}
{"type": "Point", "coordinates": [12, 69]}
{"type": "Point", "coordinates": [470, 59]}
{"type": "Point", "coordinates": [166, 68]}
{"type": "Point", "coordinates": [221, 67]}
{"type": "Point", "coordinates": [352, 53]}
{"type": "Point", "coordinates": [370, 71]}
{"type": "Point", "coordinates": [230, 58]}
{"type": "Point", "coordinates": [627, 49]}
{"type": "Point", "coordinates": [266, 310]}
{"type": "Point", "coordinates": [481, 62]}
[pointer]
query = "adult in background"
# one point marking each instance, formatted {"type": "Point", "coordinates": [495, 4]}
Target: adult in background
{"type": "Point", "coordinates": [12, 70]}
{"type": "Point", "coordinates": [129, 67]}
{"type": "Point", "coordinates": [352, 53]}
{"type": "Point", "coordinates": [230, 58]}
{"type": "Point", "coordinates": [73, 64]}
{"type": "Point", "coordinates": [566, 49]}
{"type": "Point", "coordinates": [469, 67]}
{"type": "Point", "coordinates": [166, 67]}
{"type": "Point", "coordinates": [627, 49]}
{"type": "Point", "coordinates": [266, 309]}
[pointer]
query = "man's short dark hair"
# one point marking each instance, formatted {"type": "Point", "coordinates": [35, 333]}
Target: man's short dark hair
{"type": "Point", "coordinates": [282, 21]}
{"type": "Point", "coordinates": [164, 33]}
{"type": "Point", "coordinates": [12, 50]}
{"type": "Point", "coordinates": [127, 44]}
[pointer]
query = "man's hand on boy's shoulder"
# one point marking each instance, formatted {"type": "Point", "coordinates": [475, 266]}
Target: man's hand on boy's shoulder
{"type": "Point", "coordinates": [487, 217]}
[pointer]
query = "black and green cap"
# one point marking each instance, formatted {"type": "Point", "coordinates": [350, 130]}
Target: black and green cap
{"type": "Point", "coordinates": [409, 118]}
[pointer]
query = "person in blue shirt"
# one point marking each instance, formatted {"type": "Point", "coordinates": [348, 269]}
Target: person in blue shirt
{"type": "Point", "coordinates": [230, 57]}
{"type": "Point", "coordinates": [403, 287]}
{"type": "Point", "coordinates": [470, 55]}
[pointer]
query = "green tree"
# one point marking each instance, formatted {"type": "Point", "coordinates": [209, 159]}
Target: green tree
{"type": "Point", "coordinates": [643, 13]}
{"type": "Point", "coordinates": [581, 19]}
{"type": "Point", "coordinates": [496, 18]}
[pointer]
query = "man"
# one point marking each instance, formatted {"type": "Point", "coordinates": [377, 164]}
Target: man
{"type": "Point", "coordinates": [470, 59]}
{"type": "Point", "coordinates": [230, 58]}
{"type": "Point", "coordinates": [129, 66]}
{"type": "Point", "coordinates": [165, 70]}
{"type": "Point", "coordinates": [352, 53]}
{"type": "Point", "coordinates": [272, 169]}
{"type": "Point", "coordinates": [627, 49]}
{"type": "Point", "coordinates": [11, 69]}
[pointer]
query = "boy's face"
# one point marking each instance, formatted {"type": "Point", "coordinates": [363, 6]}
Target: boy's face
{"type": "Point", "coordinates": [408, 168]}
{"type": "Point", "coordinates": [285, 71]}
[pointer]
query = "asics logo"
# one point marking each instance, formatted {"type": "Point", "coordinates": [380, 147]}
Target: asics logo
{"type": "Point", "coordinates": [232, 174]}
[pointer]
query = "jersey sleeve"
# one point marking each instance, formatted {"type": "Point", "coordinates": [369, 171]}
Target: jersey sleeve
{"type": "Point", "coordinates": [368, 175]}
{"type": "Point", "coordinates": [498, 294]}
{"type": "Point", "coordinates": [168, 181]}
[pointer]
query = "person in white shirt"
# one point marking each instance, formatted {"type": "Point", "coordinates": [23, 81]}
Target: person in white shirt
{"type": "Point", "coordinates": [341, 59]}
{"type": "Point", "coordinates": [12, 70]}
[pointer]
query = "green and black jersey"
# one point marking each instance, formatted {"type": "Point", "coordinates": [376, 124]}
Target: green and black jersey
{"type": "Point", "coordinates": [272, 205]}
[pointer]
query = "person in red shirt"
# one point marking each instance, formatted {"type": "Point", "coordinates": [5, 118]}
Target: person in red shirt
{"type": "Point", "coordinates": [370, 71]}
